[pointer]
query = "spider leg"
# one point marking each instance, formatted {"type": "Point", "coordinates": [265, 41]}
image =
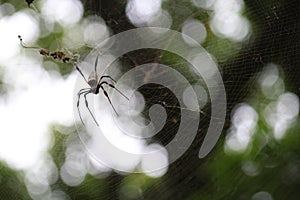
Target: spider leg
{"type": "Point", "coordinates": [83, 89]}
{"type": "Point", "coordinates": [96, 63]}
{"type": "Point", "coordinates": [112, 86]}
{"type": "Point", "coordinates": [87, 105]}
{"type": "Point", "coordinates": [107, 77]}
{"type": "Point", "coordinates": [23, 45]}
{"type": "Point", "coordinates": [78, 101]}
{"type": "Point", "coordinates": [105, 93]}
{"type": "Point", "coordinates": [78, 69]}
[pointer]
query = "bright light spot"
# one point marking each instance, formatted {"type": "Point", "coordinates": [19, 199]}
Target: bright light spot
{"type": "Point", "coordinates": [117, 135]}
{"type": "Point", "coordinates": [37, 189]}
{"type": "Point", "coordinates": [228, 22]}
{"type": "Point", "coordinates": [41, 175]}
{"type": "Point", "coordinates": [109, 146]}
{"type": "Point", "coordinates": [65, 12]}
{"type": "Point", "coordinates": [141, 12]}
{"type": "Point", "coordinates": [269, 75]}
{"type": "Point", "coordinates": [194, 29]}
{"type": "Point", "coordinates": [234, 6]}
{"type": "Point", "coordinates": [205, 4]}
{"type": "Point", "coordinates": [69, 178]}
{"type": "Point", "coordinates": [287, 111]}
{"type": "Point", "coordinates": [37, 100]}
{"type": "Point", "coordinates": [288, 106]}
{"type": "Point", "coordinates": [76, 160]}
{"type": "Point", "coordinates": [201, 94]}
{"type": "Point", "coordinates": [250, 168]}
{"type": "Point", "coordinates": [73, 37]}
{"type": "Point", "coordinates": [162, 20]}
{"type": "Point", "coordinates": [154, 162]}
{"type": "Point", "coordinates": [192, 103]}
{"type": "Point", "coordinates": [262, 195]}
{"type": "Point", "coordinates": [207, 64]}
{"type": "Point", "coordinates": [95, 31]}
{"type": "Point", "coordinates": [244, 121]}
{"type": "Point", "coordinates": [281, 114]}
{"type": "Point", "coordinates": [230, 25]}
{"type": "Point", "coordinates": [74, 169]}
{"type": "Point", "coordinates": [110, 155]}
{"type": "Point", "coordinates": [97, 169]}
{"type": "Point", "coordinates": [20, 23]}
{"type": "Point", "coordinates": [44, 171]}
{"type": "Point", "coordinates": [271, 84]}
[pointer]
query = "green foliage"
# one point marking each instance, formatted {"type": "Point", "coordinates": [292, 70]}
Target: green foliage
{"type": "Point", "coordinates": [12, 184]}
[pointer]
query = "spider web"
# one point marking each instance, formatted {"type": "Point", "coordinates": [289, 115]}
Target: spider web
{"type": "Point", "coordinates": [274, 39]}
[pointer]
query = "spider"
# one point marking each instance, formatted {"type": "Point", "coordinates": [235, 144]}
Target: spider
{"type": "Point", "coordinates": [95, 84]}
{"type": "Point", "coordinates": [56, 55]}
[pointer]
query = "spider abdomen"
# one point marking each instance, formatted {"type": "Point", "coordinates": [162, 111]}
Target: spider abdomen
{"type": "Point", "coordinates": [92, 83]}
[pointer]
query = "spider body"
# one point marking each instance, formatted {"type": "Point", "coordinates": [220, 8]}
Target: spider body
{"type": "Point", "coordinates": [95, 84]}
{"type": "Point", "coordinates": [60, 56]}
{"type": "Point", "coordinates": [95, 88]}
{"type": "Point", "coordinates": [44, 52]}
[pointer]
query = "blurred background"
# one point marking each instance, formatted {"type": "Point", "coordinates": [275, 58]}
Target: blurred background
{"type": "Point", "coordinates": [256, 46]}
